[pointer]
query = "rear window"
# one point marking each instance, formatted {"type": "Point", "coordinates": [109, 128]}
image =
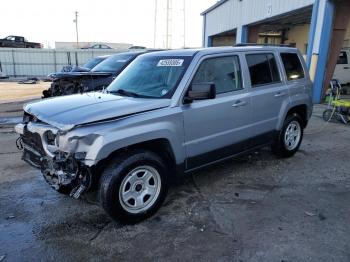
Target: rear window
{"type": "Point", "coordinates": [292, 66]}
{"type": "Point", "coordinates": [343, 58]}
{"type": "Point", "coordinates": [114, 63]}
{"type": "Point", "coordinates": [263, 69]}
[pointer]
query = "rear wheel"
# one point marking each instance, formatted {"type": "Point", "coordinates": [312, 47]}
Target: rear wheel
{"type": "Point", "coordinates": [327, 115]}
{"type": "Point", "coordinates": [133, 186]}
{"type": "Point", "coordinates": [289, 138]}
{"type": "Point", "coordinates": [330, 115]}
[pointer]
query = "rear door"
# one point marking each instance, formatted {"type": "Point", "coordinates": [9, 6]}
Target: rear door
{"type": "Point", "coordinates": [342, 69]}
{"type": "Point", "coordinates": [217, 128]}
{"type": "Point", "coordinates": [267, 94]}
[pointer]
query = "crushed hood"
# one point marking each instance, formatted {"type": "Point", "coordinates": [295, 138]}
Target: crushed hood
{"type": "Point", "coordinates": [78, 74]}
{"type": "Point", "coordinates": [69, 111]}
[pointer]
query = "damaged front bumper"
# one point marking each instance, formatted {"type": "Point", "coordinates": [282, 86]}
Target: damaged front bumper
{"type": "Point", "coordinates": [63, 172]}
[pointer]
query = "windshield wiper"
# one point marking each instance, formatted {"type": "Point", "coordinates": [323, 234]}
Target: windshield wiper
{"type": "Point", "coordinates": [124, 93]}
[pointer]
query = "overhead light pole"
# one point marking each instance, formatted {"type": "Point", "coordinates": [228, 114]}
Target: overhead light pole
{"type": "Point", "coordinates": [168, 33]}
{"type": "Point", "coordinates": [184, 10]}
{"type": "Point", "coordinates": [76, 27]}
{"type": "Point", "coordinates": [155, 23]}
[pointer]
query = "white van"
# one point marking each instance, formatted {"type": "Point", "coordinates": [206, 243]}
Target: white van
{"type": "Point", "coordinates": [342, 69]}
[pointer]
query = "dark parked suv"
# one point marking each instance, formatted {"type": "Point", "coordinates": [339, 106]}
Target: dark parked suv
{"type": "Point", "coordinates": [168, 113]}
{"type": "Point", "coordinates": [99, 77]}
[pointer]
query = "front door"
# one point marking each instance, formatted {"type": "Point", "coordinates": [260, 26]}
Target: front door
{"type": "Point", "coordinates": [217, 128]}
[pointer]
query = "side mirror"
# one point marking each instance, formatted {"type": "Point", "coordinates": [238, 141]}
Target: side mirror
{"type": "Point", "coordinates": [201, 91]}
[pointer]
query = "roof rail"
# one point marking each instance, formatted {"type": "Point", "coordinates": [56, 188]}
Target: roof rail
{"type": "Point", "coordinates": [255, 44]}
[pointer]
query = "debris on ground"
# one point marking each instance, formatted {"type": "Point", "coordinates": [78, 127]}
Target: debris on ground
{"type": "Point", "coordinates": [310, 214]}
{"type": "Point", "coordinates": [30, 80]}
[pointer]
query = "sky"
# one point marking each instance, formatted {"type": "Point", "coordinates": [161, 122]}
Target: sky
{"type": "Point", "coordinates": [116, 21]}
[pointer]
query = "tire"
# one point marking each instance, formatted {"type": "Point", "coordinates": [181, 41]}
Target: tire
{"type": "Point", "coordinates": [133, 186]}
{"type": "Point", "coordinates": [328, 115]}
{"type": "Point", "coordinates": [283, 147]}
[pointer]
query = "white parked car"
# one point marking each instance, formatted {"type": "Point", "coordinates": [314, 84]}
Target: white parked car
{"type": "Point", "coordinates": [342, 69]}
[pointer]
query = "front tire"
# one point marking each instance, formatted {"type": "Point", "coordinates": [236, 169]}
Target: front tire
{"type": "Point", "coordinates": [133, 186]}
{"type": "Point", "coordinates": [289, 138]}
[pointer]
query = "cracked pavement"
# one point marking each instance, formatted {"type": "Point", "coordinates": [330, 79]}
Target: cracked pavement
{"type": "Point", "coordinates": [254, 208]}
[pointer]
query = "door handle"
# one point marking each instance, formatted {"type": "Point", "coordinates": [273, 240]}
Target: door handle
{"type": "Point", "coordinates": [346, 67]}
{"type": "Point", "coordinates": [280, 94]}
{"type": "Point", "coordinates": [239, 103]}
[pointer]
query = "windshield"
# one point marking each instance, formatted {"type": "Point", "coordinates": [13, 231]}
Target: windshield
{"type": "Point", "coordinates": [155, 77]}
{"type": "Point", "coordinates": [114, 63]}
{"type": "Point", "coordinates": [93, 62]}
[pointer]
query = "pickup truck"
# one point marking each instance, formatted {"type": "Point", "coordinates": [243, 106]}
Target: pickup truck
{"type": "Point", "coordinates": [18, 42]}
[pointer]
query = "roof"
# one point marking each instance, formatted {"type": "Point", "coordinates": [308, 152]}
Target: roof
{"type": "Point", "coordinates": [213, 6]}
{"type": "Point", "coordinates": [175, 52]}
{"type": "Point", "coordinates": [218, 50]}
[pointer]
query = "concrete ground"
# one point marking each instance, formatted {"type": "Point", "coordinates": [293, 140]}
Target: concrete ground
{"type": "Point", "coordinates": [256, 208]}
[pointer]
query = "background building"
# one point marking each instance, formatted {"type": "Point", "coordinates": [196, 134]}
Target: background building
{"type": "Point", "coordinates": [71, 45]}
{"type": "Point", "coordinates": [319, 28]}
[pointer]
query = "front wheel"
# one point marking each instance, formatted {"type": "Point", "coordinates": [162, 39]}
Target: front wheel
{"type": "Point", "coordinates": [289, 138]}
{"type": "Point", "coordinates": [133, 186]}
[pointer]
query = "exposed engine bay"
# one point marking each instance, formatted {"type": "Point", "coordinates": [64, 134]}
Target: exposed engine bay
{"type": "Point", "coordinates": [63, 171]}
{"type": "Point", "coordinates": [75, 83]}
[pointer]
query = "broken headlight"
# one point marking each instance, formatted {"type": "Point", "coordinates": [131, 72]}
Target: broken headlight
{"type": "Point", "coordinates": [50, 142]}
{"type": "Point", "coordinates": [50, 138]}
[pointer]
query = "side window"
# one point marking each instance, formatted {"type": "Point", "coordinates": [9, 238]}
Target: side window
{"type": "Point", "coordinates": [263, 69]}
{"type": "Point", "coordinates": [343, 58]}
{"type": "Point", "coordinates": [224, 72]}
{"type": "Point", "coordinates": [292, 65]}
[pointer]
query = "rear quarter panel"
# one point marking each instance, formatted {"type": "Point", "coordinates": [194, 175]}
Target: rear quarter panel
{"type": "Point", "coordinates": [300, 93]}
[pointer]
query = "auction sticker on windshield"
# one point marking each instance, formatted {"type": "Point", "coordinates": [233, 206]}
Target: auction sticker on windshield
{"type": "Point", "coordinates": [170, 62]}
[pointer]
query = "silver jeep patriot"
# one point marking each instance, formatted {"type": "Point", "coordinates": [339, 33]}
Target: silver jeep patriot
{"type": "Point", "coordinates": [167, 113]}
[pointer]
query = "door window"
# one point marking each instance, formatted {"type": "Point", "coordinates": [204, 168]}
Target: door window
{"type": "Point", "coordinates": [263, 69]}
{"type": "Point", "coordinates": [343, 58]}
{"type": "Point", "coordinates": [292, 65]}
{"type": "Point", "coordinates": [224, 72]}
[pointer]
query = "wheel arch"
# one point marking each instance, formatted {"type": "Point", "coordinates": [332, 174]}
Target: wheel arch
{"type": "Point", "coordinates": [299, 109]}
{"type": "Point", "coordinates": [160, 146]}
